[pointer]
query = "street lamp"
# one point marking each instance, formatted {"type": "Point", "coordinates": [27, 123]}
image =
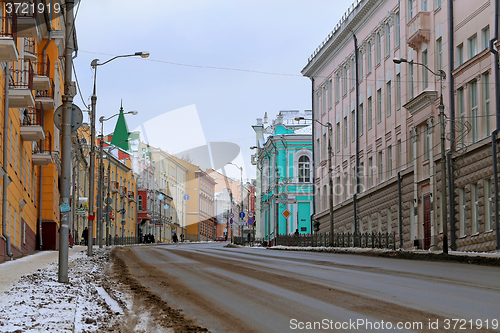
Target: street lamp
{"type": "Point", "coordinates": [442, 75]}
{"type": "Point", "coordinates": [100, 185]}
{"type": "Point", "coordinates": [241, 194]}
{"type": "Point", "coordinates": [94, 64]}
{"type": "Point", "coordinates": [330, 171]}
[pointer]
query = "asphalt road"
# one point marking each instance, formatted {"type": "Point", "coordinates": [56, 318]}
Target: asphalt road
{"type": "Point", "coordinates": [258, 290]}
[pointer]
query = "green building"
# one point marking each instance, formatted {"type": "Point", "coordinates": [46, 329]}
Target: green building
{"type": "Point", "coordinates": [284, 191]}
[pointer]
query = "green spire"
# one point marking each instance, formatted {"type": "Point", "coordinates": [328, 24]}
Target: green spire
{"type": "Point", "coordinates": [121, 133]}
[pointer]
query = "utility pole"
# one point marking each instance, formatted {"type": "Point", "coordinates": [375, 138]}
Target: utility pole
{"type": "Point", "coordinates": [66, 148]}
{"type": "Point", "coordinates": [444, 212]}
{"type": "Point", "coordinates": [108, 204]}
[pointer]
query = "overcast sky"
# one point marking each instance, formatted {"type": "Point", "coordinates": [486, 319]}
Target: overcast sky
{"type": "Point", "coordinates": [264, 45]}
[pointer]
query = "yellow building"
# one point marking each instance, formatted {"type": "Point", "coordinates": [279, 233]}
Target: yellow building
{"type": "Point", "coordinates": [31, 85]}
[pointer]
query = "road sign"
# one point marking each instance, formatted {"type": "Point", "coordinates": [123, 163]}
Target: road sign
{"type": "Point", "coordinates": [250, 214]}
{"type": "Point", "coordinates": [109, 201]}
{"type": "Point", "coordinates": [242, 215]}
{"type": "Point", "coordinates": [231, 221]}
{"type": "Point", "coordinates": [76, 117]}
{"type": "Point", "coordinates": [286, 200]}
{"type": "Point", "coordinates": [186, 197]}
{"type": "Point", "coordinates": [231, 215]}
{"type": "Point", "coordinates": [286, 213]}
{"type": "Point", "coordinates": [166, 206]}
{"type": "Point", "coordinates": [250, 221]}
{"type": "Point", "coordinates": [160, 196]}
{"type": "Point", "coordinates": [242, 222]}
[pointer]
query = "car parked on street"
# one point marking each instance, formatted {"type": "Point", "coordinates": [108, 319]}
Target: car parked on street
{"type": "Point", "coordinates": [220, 239]}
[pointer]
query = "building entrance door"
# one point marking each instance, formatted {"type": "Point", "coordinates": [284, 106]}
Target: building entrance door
{"type": "Point", "coordinates": [427, 221]}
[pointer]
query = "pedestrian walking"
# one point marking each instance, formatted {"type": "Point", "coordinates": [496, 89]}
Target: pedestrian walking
{"type": "Point", "coordinates": [174, 238]}
{"type": "Point", "coordinates": [85, 236]}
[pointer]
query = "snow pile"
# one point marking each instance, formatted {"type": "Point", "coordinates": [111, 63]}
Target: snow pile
{"type": "Point", "coordinates": [39, 303]}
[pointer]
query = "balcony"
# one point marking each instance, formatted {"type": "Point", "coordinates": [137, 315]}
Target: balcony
{"type": "Point", "coordinates": [42, 152]}
{"type": "Point", "coordinates": [21, 84]}
{"type": "Point", "coordinates": [418, 30]}
{"type": "Point", "coordinates": [32, 124]}
{"type": "Point", "coordinates": [29, 50]}
{"type": "Point", "coordinates": [26, 18]}
{"type": "Point", "coordinates": [46, 97]}
{"type": "Point", "coordinates": [8, 37]}
{"type": "Point", "coordinates": [131, 196]}
{"type": "Point", "coordinates": [41, 80]}
{"type": "Point", "coordinates": [115, 186]}
{"type": "Point", "coordinates": [123, 191]}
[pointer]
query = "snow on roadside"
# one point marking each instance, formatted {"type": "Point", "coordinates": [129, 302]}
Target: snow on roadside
{"type": "Point", "coordinates": [39, 303]}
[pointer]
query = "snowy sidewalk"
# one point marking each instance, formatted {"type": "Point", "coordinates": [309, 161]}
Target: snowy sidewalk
{"type": "Point", "coordinates": [11, 271]}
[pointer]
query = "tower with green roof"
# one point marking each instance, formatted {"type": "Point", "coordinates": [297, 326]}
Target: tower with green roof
{"type": "Point", "coordinates": [121, 133]}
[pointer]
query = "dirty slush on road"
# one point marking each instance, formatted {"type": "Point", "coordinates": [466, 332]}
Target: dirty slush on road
{"type": "Point", "coordinates": [101, 296]}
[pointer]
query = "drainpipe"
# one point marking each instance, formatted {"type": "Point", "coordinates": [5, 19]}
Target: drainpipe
{"type": "Point", "coordinates": [314, 166]}
{"type": "Point", "coordinates": [400, 212]}
{"type": "Point", "coordinates": [451, 181]}
{"type": "Point", "coordinates": [356, 192]}
{"type": "Point", "coordinates": [495, 183]}
{"type": "Point", "coordinates": [43, 126]}
{"type": "Point", "coordinates": [5, 234]}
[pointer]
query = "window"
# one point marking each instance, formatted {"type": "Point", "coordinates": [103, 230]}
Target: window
{"type": "Point", "coordinates": [474, 111]}
{"type": "Point", "coordinates": [352, 73]}
{"type": "Point", "coordinates": [461, 211]}
{"type": "Point", "coordinates": [360, 66]}
{"type": "Point", "coordinates": [360, 118]}
{"type": "Point", "coordinates": [411, 3]}
{"type": "Point", "coordinates": [410, 80]}
{"type": "Point", "coordinates": [472, 46]}
{"type": "Point", "coordinates": [10, 145]}
{"type": "Point", "coordinates": [388, 98]}
{"type": "Point", "coordinates": [330, 96]}
{"type": "Point", "coordinates": [398, 155]}
{"type": "Point", "coordinates": [15, 153]}
{"type": "Point", "coordinates": [379, 222]}
{"type": "Point", "coordinates": [345, 131]}
{"type": "Point", "coordinates": [426, 142]}
{"type": "Point", "coordinates": [461, 112]}
{"type": "Point", "coordinates": [425, 72]}
{"type": "Point", "coordinates": [380, 167]}
{"type": "Point", "coordinates": [337, 87]}
{"type": "Point", "coordinates": [304, 170]}
{"type": "Point", "coordinates": [397, 34]}
{"type": "Point", "coordinates": [369, 57]}
{"type": "Point", "coordinates": [325, 197]}
{"type": "Point", "coordinates": [379, 105]}
{"type": "Point", "coordinates": [485, 37]}
{"type": "Point", "coordinates": [460, 55]}
{"type": "Point", "coordinates": [318, 102]}
{"type": "Point", "coordinates": [488, 206]}
{"type": "Point", "coordinates": [475, 209]}
{"type": "Point", "coordinates": [370, 172]}
{"type": "Point", "coordinates": [387, 40]}
{"type": "Point", "coordinates": [139, 202]}
{"type": "Point", "coordinates": [361, 174]}
{"type": "Point", "coordinates": [389, 161]}
{"type": "Point", "coordinates": [323, 100]}
{"type": "Point", "coordinates": [353, 125]}
{"type": "Point", "coordinates": [338, 190]}
{"type": "Point", "coordinates": [486, 104]}
{"type": "Point", "coordinates": [344, 82]}
{"type": "Point", "coordinates": [439, 53]}
{"type": "Point", "coordinates": [398, 91]}
{"type": "Point", "coordinates": [323, 148]}
{"type": "Point", "coordinates": [378, 50]}
{"type": "Point", "coordinates": [370, 113]}
{"type": "Point", "coordinates": [337, 138]}
{"type": "Point", "coordinates": [437, 4]}
{"type": "Point", "coordinates": [389, 220]}
{"type": "Point", "coordinates": [424, 5]}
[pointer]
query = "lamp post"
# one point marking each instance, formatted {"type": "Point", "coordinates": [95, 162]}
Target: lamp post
{"type": "Point", "coordinates": [94, 64]}
{"type": "Point", "coordinates": [241, 194]}
{"type": "Point", "coordinates": [442, 75]}
{"type": "Point", "coordinates": [101, 178]}
{"type": "Point", "coordinates": [330, 171]}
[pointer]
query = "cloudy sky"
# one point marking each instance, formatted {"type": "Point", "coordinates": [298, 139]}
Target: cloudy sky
{"type": "Point", "coordinates": [233, 60]}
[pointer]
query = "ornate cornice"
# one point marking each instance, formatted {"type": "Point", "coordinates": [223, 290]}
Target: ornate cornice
{"type": "Point", "coordinates": [421, 101]}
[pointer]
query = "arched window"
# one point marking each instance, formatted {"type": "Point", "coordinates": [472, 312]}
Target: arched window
{"type": "Point", "coordinates": [304, 169]}
{"type": "Point", "coordinates": [139, 202]}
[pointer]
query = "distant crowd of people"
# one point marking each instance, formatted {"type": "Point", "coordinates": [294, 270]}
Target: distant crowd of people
{"type": "Point", "coordinates": [149, 238]}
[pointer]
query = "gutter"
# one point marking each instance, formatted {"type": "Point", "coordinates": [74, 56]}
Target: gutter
{"type": "Point", "coordinates": [6, 235]}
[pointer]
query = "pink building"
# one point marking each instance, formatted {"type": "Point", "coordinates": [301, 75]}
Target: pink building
{"type": "Point", "coordinates": [399, 127]}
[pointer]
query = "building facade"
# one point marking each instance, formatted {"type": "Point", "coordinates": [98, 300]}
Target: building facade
{"type": "Point", "coordinates": [31, 84]}
{"type": "Point", "coordinates": [284, 159]}
{"type": "Point", "coordinates": [397, 131]}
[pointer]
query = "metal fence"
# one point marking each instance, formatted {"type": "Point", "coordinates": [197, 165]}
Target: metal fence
{"type": "Point", "coordinates": [379, 240]}
{"type": "Point", "coordinates": [124, 240]}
